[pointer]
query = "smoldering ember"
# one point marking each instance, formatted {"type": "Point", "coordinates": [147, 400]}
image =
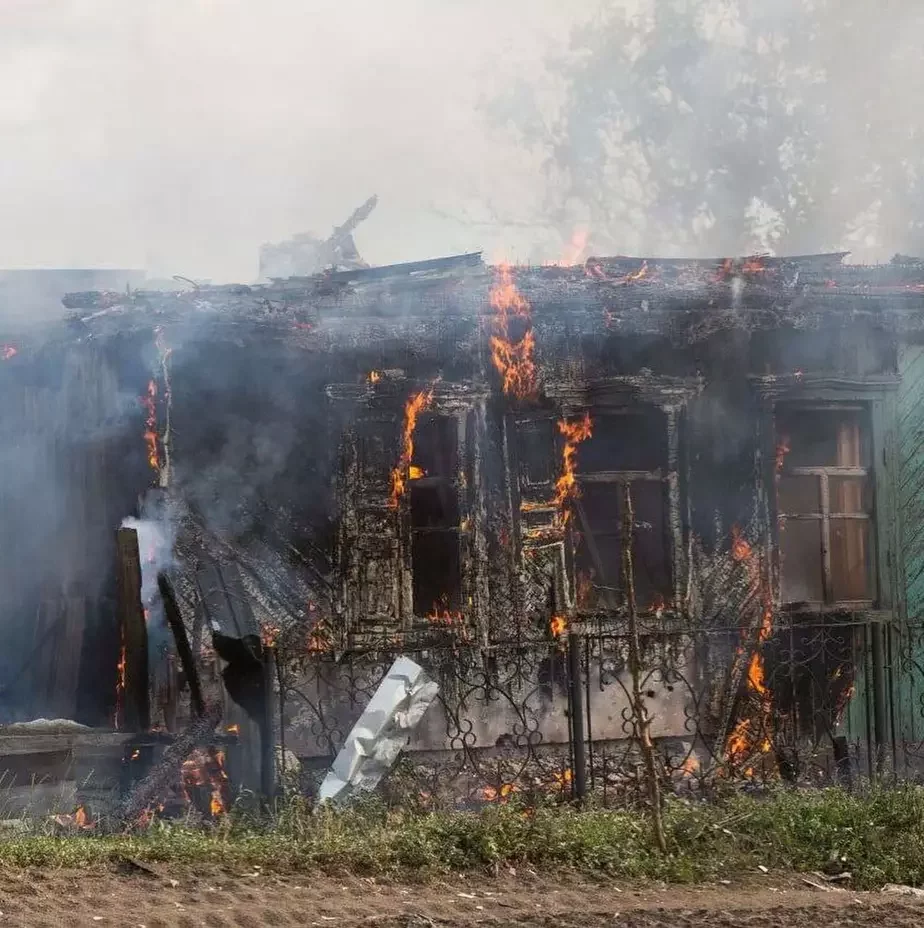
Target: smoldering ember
{"type": "Point", "coordinates": [634, 519]}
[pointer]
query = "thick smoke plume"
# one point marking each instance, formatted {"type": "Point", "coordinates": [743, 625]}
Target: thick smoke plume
{"type": "Point", "coordinates": [180, 135]}
{"type": "Point", "coordinates": [718, 127]}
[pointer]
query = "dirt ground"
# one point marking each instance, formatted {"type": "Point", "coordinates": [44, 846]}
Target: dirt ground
{"type": "Point", "coordinates": [162, 896]}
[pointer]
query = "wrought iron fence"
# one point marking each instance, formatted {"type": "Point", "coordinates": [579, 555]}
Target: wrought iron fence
{"type": "Point", "coordinates": [566, 717]}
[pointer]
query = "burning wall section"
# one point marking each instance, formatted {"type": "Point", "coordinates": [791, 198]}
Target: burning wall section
{"type": "Point", "coordinates": [450, 451]}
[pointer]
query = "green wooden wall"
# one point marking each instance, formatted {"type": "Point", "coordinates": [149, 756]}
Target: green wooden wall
{"type": "Point", "coordinates": [907, 651]}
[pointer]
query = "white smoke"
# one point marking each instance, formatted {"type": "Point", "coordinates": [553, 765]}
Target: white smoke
{"type": "Point", "coordinates": [157, 533]}
{"type": "Point", "coordinates": [180, 135]}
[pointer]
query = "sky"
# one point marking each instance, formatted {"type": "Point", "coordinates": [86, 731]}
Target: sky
{"type": "Point", "coordinates": [178, 135]}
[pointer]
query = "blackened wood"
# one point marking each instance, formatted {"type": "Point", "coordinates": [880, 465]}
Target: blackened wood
{"type": "Point", "coordinates": [136, 714]}
{"type": "Point", "coordinates": [267, 726]}
{"type": "Point", "coordinates": [154, 786]}
{"type": "Point", "coordinates": [226, 607]}
{"type": "Point", "coordinates": [183, 650]}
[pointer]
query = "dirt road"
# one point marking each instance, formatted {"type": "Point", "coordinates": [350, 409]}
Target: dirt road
{"type": "Point", "coordinates": [163, 896]}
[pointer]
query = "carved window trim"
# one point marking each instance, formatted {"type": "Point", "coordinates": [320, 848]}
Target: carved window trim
{"type": "Point", "coordinates": [877, 396]}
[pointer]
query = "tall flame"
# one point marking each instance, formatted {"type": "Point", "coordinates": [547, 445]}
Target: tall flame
{"type": "Point", "coordinates": [149, 401]}
{"type": "Point", "coordinates": [120, 685]}
{"type": "Point", "coordinates": [402, 472]}
{"type": "Point", "coordinates": [745, 739]}
{"type": "Point", "coordinates": [566, 485]}
{"type": "Point", "coordinates": [782, 449]}
{"type": "Point", "coordinates": [163, 469]}
{"type": "Point", "coordinates": [513, 359]}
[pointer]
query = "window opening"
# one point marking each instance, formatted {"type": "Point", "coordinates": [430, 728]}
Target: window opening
{"type": "Point", "coordinates": [624, 449]}
{"type": "Point", "coordinates": [825, 505]}
{"type": "Point", "coordinates": [435, 517]}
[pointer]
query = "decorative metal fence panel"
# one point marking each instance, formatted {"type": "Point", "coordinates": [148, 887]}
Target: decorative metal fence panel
{"type": "Point", "coordinates": [555, 718]}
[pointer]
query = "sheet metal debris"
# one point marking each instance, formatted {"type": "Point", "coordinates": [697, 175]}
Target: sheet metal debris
{"type": "Point", "coordinates": [376, 740]}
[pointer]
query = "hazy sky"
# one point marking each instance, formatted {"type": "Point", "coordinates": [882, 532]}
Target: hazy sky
{"type": "Point", "coordinates": [178, 135]}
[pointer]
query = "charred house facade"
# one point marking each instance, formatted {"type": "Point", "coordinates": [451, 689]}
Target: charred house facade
{"type": "Point", "coordinates": [484, 466]}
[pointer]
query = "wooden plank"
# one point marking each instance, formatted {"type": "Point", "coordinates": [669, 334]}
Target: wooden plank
{"type": "Point", "coordinates": [52, 742]}
{"type": "Point", "coordinates": [183, 650]}
{"type": "Point", "coordinates": [134, 633]}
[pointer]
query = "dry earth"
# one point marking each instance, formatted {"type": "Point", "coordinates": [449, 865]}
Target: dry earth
{"type": "Point", "coordinates": [168, 897]}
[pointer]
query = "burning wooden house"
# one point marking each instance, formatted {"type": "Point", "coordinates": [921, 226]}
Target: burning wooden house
{"type": "Point", "coordinates": [470, 464]}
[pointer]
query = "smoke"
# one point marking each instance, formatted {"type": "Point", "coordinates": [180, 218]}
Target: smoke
{"type": "Point", "coordinates": [157, 531]}
{"type": "Point", "coordinates": [180, 135]}
{"type": "Point", "coordinates": [717, 127]}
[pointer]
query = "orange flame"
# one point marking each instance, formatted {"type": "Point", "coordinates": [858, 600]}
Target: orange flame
{"type": "Point", "coordinates": [690, 766]}
{"type": "Point", "coordinates": [149, 401]}
{"type": "Point", "coordinates": [782, 449]}
{"type": "Point", "coordinates": [207, 768]}
{"type": "Point", "coordinates": [7, 352]}
{"type": "Point", "coordinates": [319, 641]}
{"type": "Point", "coordinates": [233, 729]}
{"type": "Point", "coordinates": [753, 265]}
{"type": "Point", "coordinates": [566, 486]}
{"type": "Point", "coordinates": [562, 780]}
{"type": "Point", "coordinates": [148, 815]}
{"type": "Point", "coordinates": [120, 685]}
{"type": "Point", "coordinates": [442, 617]}
{"type": "Point", "coordinates": [502, 794]}
{"type": "Point", "coordinates": [635, 276]}
{"type": "Point", "coordinates": [399, 476]}
{"type": "Point", "coordinates": [744, 739]}
{"type": "Point", "coordinates": [269, 634]}
{"type": "Point", "coordinates": [558, 626]}
{"type": "Point", "coordinates": [512, 359]}
{"type": "Point", "coordinates": [79, 819]}
{"type": "Point", "coordinates": [374, 377]}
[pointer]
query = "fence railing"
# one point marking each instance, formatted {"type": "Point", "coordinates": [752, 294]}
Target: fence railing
{"type": "Point", "coordinates": [567, 718]}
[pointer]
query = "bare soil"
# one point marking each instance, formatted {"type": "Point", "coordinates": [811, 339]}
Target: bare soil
{"type": "Point", "coordinates": [162, 896]}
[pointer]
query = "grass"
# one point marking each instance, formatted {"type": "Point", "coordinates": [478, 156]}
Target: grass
{"type": "Point", "coordinates": [878, 835]}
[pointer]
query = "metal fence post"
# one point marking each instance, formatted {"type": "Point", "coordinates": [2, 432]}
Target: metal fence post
{"type": "Point", "coordinates": [880, 736]}
{"type": "Point", "coordinates": [576, 708]}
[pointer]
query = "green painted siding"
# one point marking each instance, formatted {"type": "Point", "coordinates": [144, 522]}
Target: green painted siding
{"type": "Point", "coordinates": [911, 477]}
{"type": "Point", "coordinates": [907, 658]}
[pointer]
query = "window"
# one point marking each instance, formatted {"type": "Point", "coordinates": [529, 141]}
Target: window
{"type": "Point", "coordinates": [627, 452]}
{"type": "Point", "coordinates": [435, 516]}
{"type": "Point", "coordinates": [825, 506]}
{"type": "Point", "coordinates": [536, 439]}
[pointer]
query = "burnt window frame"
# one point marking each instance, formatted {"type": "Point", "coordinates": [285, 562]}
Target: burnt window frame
{"type": "Point", "coordinates": [878, 397]}
{"type": "Point", "coordinates": [666, 476]}
{"type": "Point", "coordinates": [627, 394]}
{"type": "Point", "coordinates": [450, 484]}
{"type": "Point", "coordinates": [461, 409]}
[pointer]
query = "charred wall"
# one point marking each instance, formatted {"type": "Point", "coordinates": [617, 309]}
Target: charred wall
{"type": "Point", "coordinates": [288, 419]}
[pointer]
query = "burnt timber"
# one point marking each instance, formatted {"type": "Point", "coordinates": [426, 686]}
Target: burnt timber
{"type": "Point", "coordinates": [287, 401]}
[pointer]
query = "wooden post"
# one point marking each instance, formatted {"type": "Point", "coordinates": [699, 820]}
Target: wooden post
{"type": "Point", "coordinates": [184, 651]}
{"type": "Point", "coordinates": [136, 715]}
{"type": "Point", "coordinates": [267, 726]}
